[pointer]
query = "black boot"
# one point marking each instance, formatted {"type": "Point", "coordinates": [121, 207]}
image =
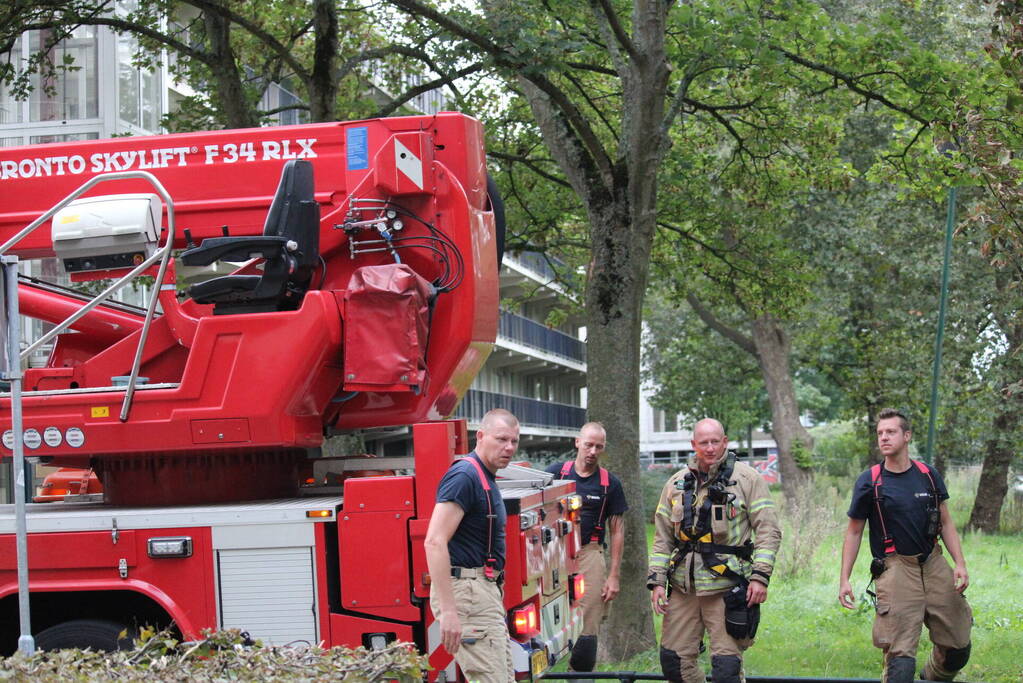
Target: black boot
{"type": "Point", "coordinates": [901, 669]}
{"type": "Point", "coordinates": [584, 654]}
{"type": "Point", "coordinates": [671, 666]}
{"type": "Point", "coordinates": [725, 668]}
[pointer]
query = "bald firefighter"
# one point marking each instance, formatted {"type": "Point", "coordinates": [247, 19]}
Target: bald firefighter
{"type": "Point", "coordinates": [715, 541]}
{"type": "Point", "coordinates": [601, 525]}
{"type": "Point", "coordinates": [905, 502]}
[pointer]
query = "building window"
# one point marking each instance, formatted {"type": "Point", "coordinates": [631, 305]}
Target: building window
{"type": "Point", "coordinates": [138, 90]}
{"type": "Point", "coordinates": [62, 137]}
{"type": "Point", "coordinates": [65, 93]}
{"type": "Point", "coordinates": [11, 110]}
{"type": "Point", "coordinates": [665, 422]}
{"type": "Point", "coordinates": [277, 96]}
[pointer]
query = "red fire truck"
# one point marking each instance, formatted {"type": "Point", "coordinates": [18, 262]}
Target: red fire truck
{"type": "Point", "coordinates": [363, 295]}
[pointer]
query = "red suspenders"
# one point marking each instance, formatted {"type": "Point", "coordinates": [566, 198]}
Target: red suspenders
{"type": "Point", "coordinates": [875, 481]}
{"type": "Point", "coordinates": [490, 568]}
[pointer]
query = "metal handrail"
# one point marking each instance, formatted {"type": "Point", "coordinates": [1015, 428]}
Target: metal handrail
{"type": "Point", "coordinates": [162, 254]}
{"type": "Point", "coordinates": [630, 676]}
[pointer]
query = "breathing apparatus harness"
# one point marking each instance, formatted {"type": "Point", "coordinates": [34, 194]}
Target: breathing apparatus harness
{"type": "Point", "coordinates": [695, 535]}
{"type": "Point", "coordinates": [605, 483]}
{"type": "Point", "coordinates": [933, 529]}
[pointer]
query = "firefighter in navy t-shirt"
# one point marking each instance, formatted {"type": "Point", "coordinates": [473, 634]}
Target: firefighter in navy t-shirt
{"type": "Point", "coordinates": [601, 525]}
{"type": "Point", "coordinates": [905, 503]}
{"type": "Point", "coordinates": [465, 551]}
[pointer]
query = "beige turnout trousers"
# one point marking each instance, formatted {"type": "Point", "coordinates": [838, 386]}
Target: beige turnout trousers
{"type": "Point", "coordinates": [911, 595]}
{"type": "Point", "coordinates": [594, 571]}
{"type": "Point", "coordinates": [682, 631]}
{"type": "Point", "coordinates": [485, 653]}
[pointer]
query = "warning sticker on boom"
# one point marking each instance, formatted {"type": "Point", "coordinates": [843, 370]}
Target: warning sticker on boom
{"type": "Point", "coordinates": [357, 143]}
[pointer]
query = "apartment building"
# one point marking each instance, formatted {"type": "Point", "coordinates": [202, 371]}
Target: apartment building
{"type": "Point", "coordinates": [536, 371]}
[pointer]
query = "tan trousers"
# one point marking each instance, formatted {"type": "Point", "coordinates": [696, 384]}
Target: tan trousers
{"type": "Point", "coordinates": [683, 626]}
{"type": "Point", "coordinates": [910, 595]}
{"type": "Point", "coordinates": [485, 653]}
{"type": "Point", "coordinates": [594, 571]}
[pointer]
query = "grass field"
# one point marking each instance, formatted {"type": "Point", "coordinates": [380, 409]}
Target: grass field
{"type": "Point", "coordinates": [804, 631]}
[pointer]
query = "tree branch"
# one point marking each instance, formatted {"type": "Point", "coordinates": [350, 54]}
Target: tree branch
{"type": "Point", "coordinates": [388, 109]}
{"type": "Point", "coordinates": [612, 33]}
{"type": "Point", "coordinates": [531, 165]}
{"type": "Point", "coordinates": [731, 334]}
{"type": "Point", "coordinates": [577, 122]}
{"type": "Point", "coordinates": [851, 83]}
{"type": "Point", "coordinates": [257, 31]}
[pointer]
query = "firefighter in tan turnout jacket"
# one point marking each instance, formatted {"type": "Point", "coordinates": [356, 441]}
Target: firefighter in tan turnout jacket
{"type": "Point", "coordinates": [715, 541]}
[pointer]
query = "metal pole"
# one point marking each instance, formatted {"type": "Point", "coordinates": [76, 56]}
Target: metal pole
{"type": "Point", "coordinates": [939, 337]}
{"type": "Point", "coordinates": [26, 643]}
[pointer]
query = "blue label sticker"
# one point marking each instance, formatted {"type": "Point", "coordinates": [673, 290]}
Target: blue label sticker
{"type": "Point", "coordinates": [358, 151]}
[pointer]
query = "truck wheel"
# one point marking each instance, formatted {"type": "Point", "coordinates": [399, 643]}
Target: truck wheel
{"type": "Point", "coordinates": [98, 634]}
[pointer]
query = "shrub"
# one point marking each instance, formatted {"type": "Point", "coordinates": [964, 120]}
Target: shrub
{"type": "Point", "coordinates": [653, 482]}
{"type": "Point", "coordinates": [221, 656]}
{"type": "Point", "coordinates": [807, 518]}
{"type": "Point", "coordinates": [839, 450]}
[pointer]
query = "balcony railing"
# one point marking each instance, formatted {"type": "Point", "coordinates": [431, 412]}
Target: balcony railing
{"type": "Point", "coordinates": [538, 336]}
{"type": "Point", "coordinates": [529, 411]}
{"type": "Point", "coordinates": [537, 263]}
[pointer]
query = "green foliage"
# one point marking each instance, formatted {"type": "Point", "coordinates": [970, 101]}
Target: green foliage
{"type": "Point", "coordinates": [839, 449]}
{"type": "Point", "coordinates": [220, 656]}
{"type": "Point", "coordinates": [696, 373]}
{"type": "Point", "coordinates": [653, 483]}
{"type": "Point", "coordinates": [802, 455]}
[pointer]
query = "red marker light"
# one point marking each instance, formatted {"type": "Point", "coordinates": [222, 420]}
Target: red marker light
{"type": "Point", "coordinates": [577, 588]}
{"type": "Point", "coordinates": [524, 622]}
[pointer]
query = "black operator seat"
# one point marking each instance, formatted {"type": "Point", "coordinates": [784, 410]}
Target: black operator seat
{"type": "Point", "coordinates": [290, 247]}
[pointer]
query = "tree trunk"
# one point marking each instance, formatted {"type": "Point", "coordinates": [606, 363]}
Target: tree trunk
{"type": "Point", "coordinates": [794, 442]}
{"type": "Point", "coordinates": [1004, 440]}
{"type": "Point", "coordinates": [614, 298]}
{"type": "Point", "coordinates": [994, 474]}
{"type": "Point", "coordinates": [619, 193]}
{"type": "Point", "coordinates": [227, 92]}
{"type": "Point", "coordinates": [770, 345]}
{"type": "Point", "coordinates": [323, 82]}
{"type": "Point", "coordinates": [873, 452]}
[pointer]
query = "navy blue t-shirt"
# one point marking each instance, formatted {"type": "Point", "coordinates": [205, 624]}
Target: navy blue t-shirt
{"type": "Point", "coordinates": [905, 497]}
{"type": "Point", "coordinates": [461, 485]}
{"type": "Point", "coordinates": [593, 498]}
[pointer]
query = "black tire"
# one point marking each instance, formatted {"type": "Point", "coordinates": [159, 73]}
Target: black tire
{"type": "Point", "coordinates": [100, 635]}
{"type": "Point", "coordinates": [497, 206]}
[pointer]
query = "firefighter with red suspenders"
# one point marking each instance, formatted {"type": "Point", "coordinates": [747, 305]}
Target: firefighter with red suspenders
{"type": "Point", "coordinates": [602, 525]}
{"type": "Point", "coordinates": [465, 551]}
{"type": "Point", "coordinates": [905, 502]}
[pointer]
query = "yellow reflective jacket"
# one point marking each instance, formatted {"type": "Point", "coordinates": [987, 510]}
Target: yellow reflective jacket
{"type": "Point", "coordinates": [750, 515]}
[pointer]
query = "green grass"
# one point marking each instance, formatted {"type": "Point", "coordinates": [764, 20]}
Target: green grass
{"type": "Point", "coordinates": [804, 631]}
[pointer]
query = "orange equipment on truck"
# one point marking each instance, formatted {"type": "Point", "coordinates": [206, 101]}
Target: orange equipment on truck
{"type": "Point", "coordinates": [363, 294]}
